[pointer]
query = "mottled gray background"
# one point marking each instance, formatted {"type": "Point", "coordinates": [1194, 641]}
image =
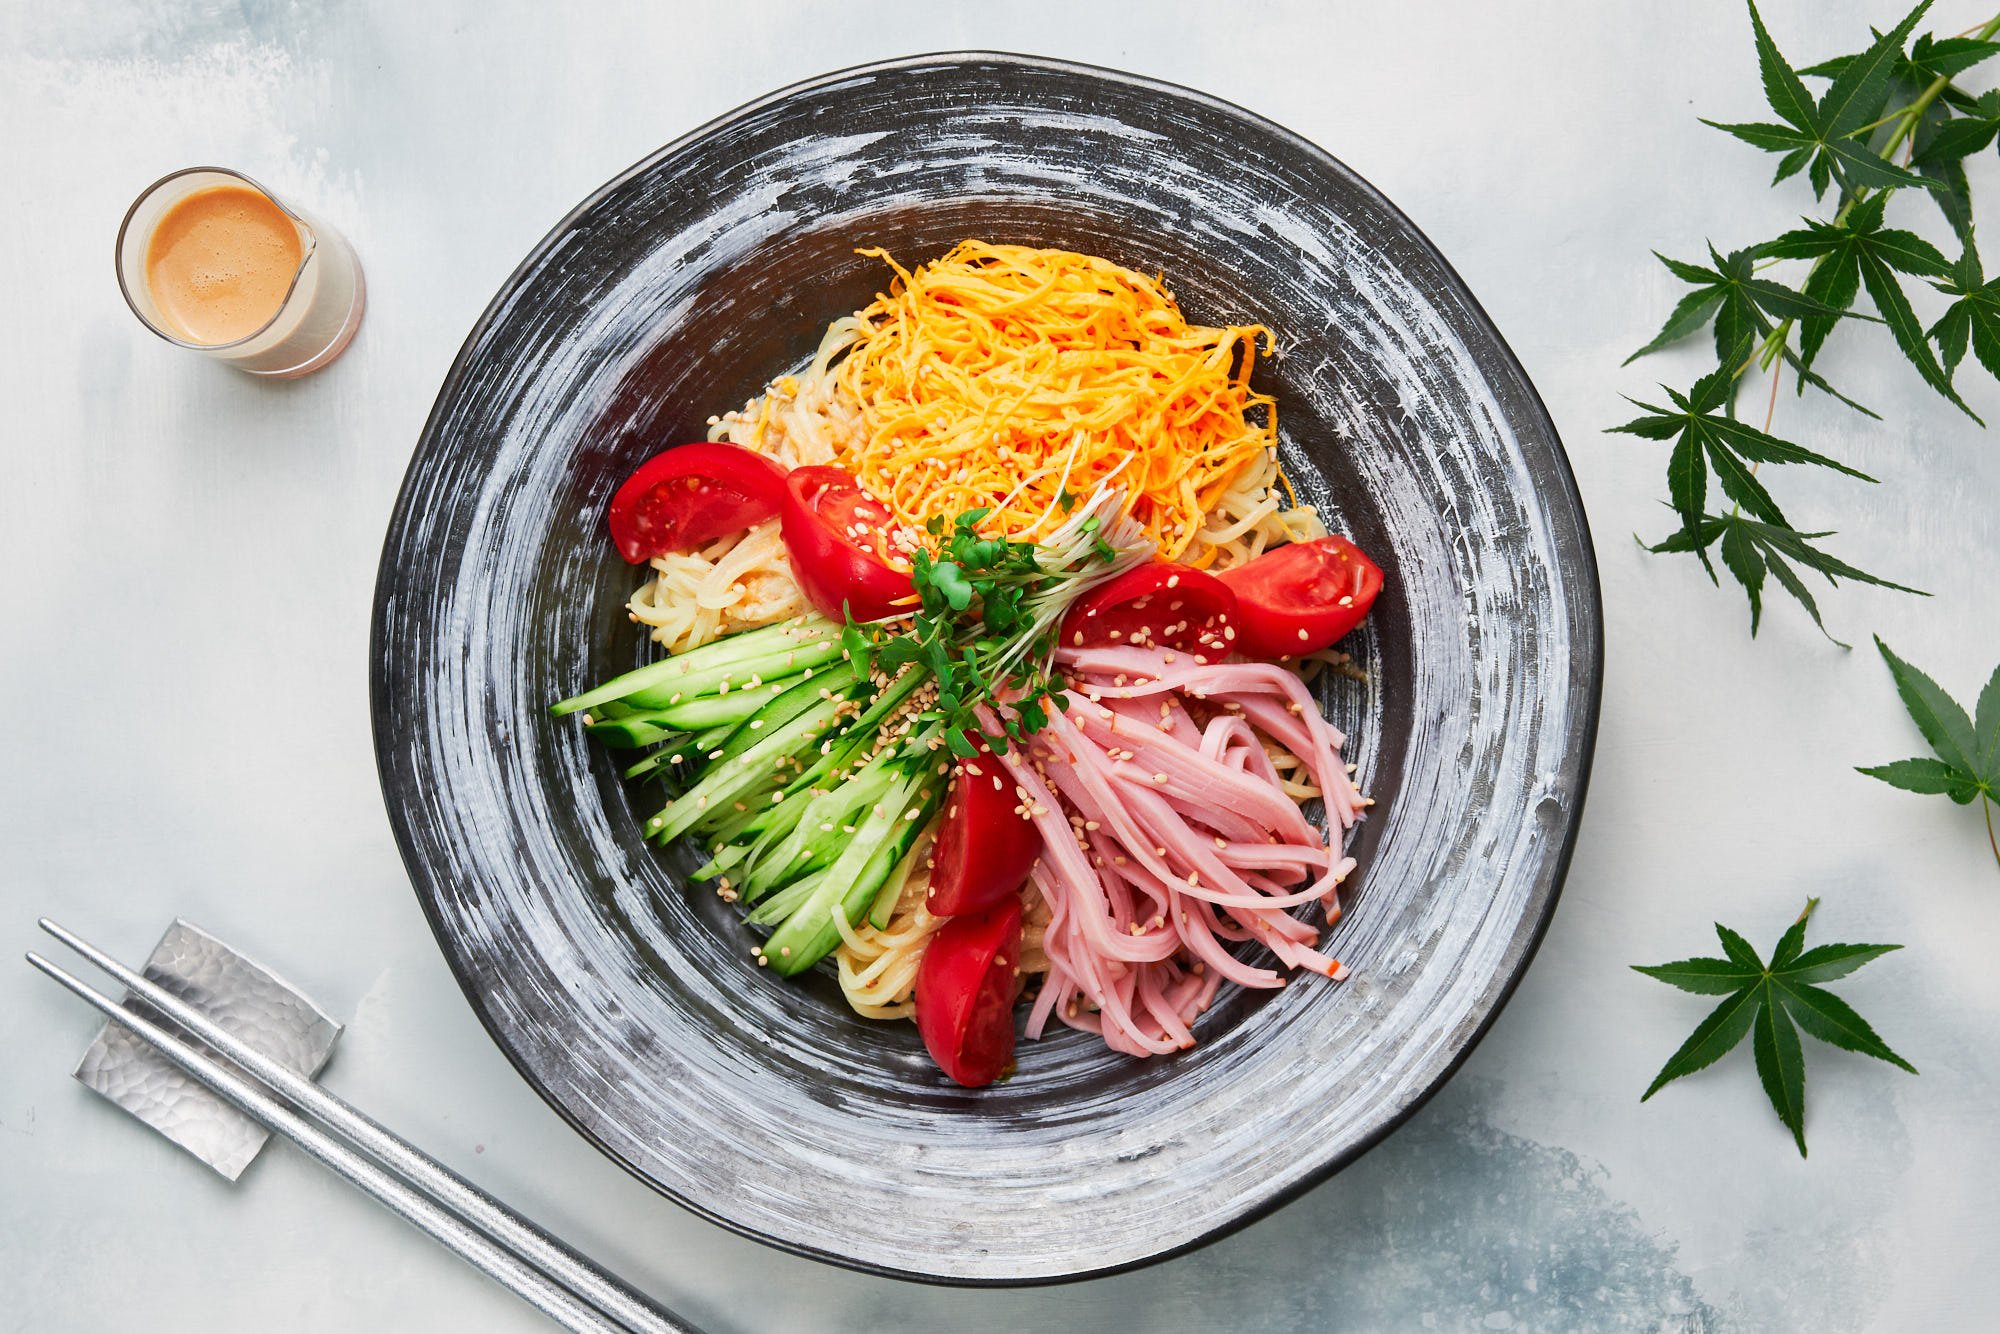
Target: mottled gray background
{"type": "Point", "coordinates": [189, 555]}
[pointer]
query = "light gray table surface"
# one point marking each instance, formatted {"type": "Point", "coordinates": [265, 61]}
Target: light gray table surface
{"type": "Point", "coordinates": [187, 557]}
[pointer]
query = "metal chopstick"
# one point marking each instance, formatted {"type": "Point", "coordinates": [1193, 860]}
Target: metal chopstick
{"type": "Point", "coordinates": [532, 1264]}
{"type": "Point", "coordinates": [455, 1193]}
{"type": "Point", "coordinates": [532, 1286]}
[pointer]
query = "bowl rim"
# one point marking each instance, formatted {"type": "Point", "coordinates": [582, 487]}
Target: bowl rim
{"type": "Point", "coordinates": [1528, 934]}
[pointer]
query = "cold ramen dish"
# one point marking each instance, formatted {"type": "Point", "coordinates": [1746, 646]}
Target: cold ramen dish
{"type": "Point", "coordinates": [987, 648]}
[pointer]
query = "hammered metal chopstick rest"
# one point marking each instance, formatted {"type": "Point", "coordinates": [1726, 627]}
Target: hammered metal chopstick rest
{"type": "Point", "coordinates": [250, 1000]}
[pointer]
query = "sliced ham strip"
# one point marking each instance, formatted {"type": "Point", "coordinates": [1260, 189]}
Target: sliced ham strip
{"type": "Point", "coordinates": [1167, 837]}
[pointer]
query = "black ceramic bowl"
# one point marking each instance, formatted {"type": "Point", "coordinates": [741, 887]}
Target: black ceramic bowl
{"type": "Point", "coordinates": [635, 1007]}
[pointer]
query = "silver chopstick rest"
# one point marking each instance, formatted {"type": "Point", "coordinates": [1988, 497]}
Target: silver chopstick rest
{"type": "Point", "coordinates": [243, 996]}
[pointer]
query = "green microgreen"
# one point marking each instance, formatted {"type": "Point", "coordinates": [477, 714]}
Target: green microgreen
{"type": "Point", "coordinates": [989, 609]}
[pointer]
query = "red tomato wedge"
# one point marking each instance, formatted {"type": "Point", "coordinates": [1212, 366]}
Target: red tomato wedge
{"type": "Point", "coordinates": [965, 993]}
{"type": "Point", "coordinates": [838, 537]}
{"type": "Point", "coordinates": [985, 847]}
{"type": "Point", "coordinates": [691, 495]}
{"type": "Point", "coordinates": [1161, 605]}
{"type": "Point", "coordinates": [1301, 598]}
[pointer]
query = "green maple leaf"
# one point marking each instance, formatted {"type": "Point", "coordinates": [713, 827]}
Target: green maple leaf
{"type": "Point", "coordinates": [1705, 440]}
{"type": "Point", "coordinates": [1948, 57]}
{"type": "Point", "coordinates": [1958, 137]}
{"type": "Point", "coordinates": [1836, 281]}
{"type": "Point", "coordinates": [1773, 1001]}
{"type": "Point", "coordinates": [1940, 145]}
{"type": "Point", "coordinates": [1931, 59]}
{"type": "Point", "coordinates": [1857, 252]}
{"type": "Point", "coordinates": [1740, 303]}
{"type": "Point", "coordinates": [1742, 307]}
{"type": "Point", "coordinates": [1953, 192]}
{"type": "Point", "coordinates": [1967, 747]}
{"type": "Point", "coordinates": [1752, 549]}
{"type": "Point", "coordinates": [1826, 135]}
{"type": "Point", "coordinates": [1974, 318]}
{"type": "Point", "coordinates": [1877, 99]}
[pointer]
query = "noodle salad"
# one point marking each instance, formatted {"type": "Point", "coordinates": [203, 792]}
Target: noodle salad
{"type": "Point", "coordinates": [987, 640]}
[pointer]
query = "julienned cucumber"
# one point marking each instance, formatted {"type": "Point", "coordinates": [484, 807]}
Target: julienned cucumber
{"type": "Point", "coordinates": [892, 891]}
{"type": "Point", "coordinates": [793, 658]}
{"type": "Point", "coordinates": [815, 806]}
{"type": "Point", "coordinates": [837, 681]}
{"type": "Point", "coordinates": [689, 747]}
{"type": "Point", "coordinates": [740, 776]}
{"type": "Point", "coordinates": [809, 781]}
{"type": "Point", "coordinates": [644, 727]}
{"type": "Point", "coordinates": [837, 755]}
{"type": "Point", "coordinates": [695, 714]}
{"type": "Point", "coordinates": [818, 830]}
{"type": "Point", "coordinates": [786, 649]}
{"type": "Point", "coordinates": [856, 876]}
{"type": "Point", "coordinates": [786, 901]}
{"type": "Point", "coordinates": [787, 705]}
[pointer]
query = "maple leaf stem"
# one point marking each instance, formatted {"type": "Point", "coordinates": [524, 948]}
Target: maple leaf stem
{"type": "Point", "coordinates": [1763, 353]}
{"type": "Point", "coordinates": [1897, 114]}
{"type": "Point", "coordinates": [1986, 804]}
{"type": "Point", "coordinates": [1770, 411]}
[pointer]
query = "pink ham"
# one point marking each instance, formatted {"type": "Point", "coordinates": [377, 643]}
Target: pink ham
{"type": "Point", "coordinates": [1166, 838]}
